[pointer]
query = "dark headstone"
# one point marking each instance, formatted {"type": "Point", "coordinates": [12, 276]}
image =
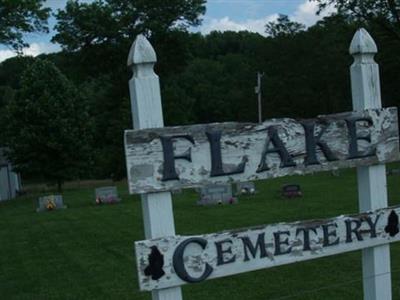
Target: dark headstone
{"type": "Point", "coordinates": [335, 173]}
{"type": "Point", "coordinates": [393, 172]}
{"type": "Point", "coordinates": [291, 190]}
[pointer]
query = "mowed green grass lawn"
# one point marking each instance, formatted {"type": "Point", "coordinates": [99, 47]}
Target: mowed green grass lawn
{"type": "Point", "coordinates": [86, 251]}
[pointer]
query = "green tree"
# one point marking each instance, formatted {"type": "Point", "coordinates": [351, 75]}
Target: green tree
{"type": "Point", "coordinates": [384, 13]}
{"type": "Point", "coordinates": [10, 72]}
{"type": "Point", "coordinates": [100, 22]}
{"type": "Point", "coordinates": [283, 26]}
{"type": "Point", "coordinates": [47, 128]}
{"type": "Point", "coordinates": [96, 37]}
{"type": "Point", "coordinates": [18, 17]}
{"type": "Point", "coordinates": [110, 118]}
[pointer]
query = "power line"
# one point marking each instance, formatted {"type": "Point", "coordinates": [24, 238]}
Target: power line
{"type": "Point", "coordinates": [258, 92]}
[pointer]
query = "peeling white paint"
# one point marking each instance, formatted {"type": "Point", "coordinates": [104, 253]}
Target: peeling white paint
{"type": "Point", "coordinates": [143, 148]}
{"type": "Point", "coordinates": [195, 258]}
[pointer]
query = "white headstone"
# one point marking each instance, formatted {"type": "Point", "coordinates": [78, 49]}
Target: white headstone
{"type": "Point", "coordinates": [49, 203]}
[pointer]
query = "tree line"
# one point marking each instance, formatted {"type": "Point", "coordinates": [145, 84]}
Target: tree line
{"type": "Point", "coordinates": [63, 114]}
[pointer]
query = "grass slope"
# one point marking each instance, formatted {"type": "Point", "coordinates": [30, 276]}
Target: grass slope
{"type": "Point", "coordinates": [86, 251]}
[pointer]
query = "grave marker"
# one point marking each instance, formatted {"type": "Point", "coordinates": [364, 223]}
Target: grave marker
{"type": "Point", "coordinates": [216, 194]}
{"type": "Point", "coordinates": [245, 188]}
{"type": "Point", "coordinates": [393, 172]}
{"type": "Point", "coordinates": [291, 190]}
{"type": "Point", "coordinates": [51, 202]}
{"type": "Point", "coordinates": [107, 194]}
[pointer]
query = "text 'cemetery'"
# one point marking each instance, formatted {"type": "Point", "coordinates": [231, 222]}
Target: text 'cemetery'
{"type": "Point", "coordinates": [172, 261]}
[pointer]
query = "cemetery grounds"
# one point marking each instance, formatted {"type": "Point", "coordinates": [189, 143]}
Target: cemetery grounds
{"type": "Point", "coordinates": [86, 251]}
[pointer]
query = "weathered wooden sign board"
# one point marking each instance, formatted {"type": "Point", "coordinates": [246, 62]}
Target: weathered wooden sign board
{"type": "Point", "coordinates": [177, 260]}
{"type": "Point", "coordinates": [189, 156]}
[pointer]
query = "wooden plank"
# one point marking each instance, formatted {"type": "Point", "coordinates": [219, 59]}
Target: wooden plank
{"type": "Point", "coordinates": [177, 260]}
{"type": "Point", "coordinates": [372, 188]}
{"type": "Point", "coordinates": [335, 142]}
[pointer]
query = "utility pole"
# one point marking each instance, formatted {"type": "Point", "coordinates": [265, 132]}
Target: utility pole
{"type": "Point", "coordinates": [258, 92]}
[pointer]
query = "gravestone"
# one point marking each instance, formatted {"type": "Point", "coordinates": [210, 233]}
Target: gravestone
{"type": "Point", "coordinates": [107, 194]}
{"type": "Point", "coordinates": [291, 191]}
{"type": "Point", "coordinates": [49, 203]}
{"type": "Point", "coordinates": [216, 194]}
{"type": "Point", "coordinates": [335, 173]}
{"type": "Point", "coordinates": [176, 191]}
{"type": "Point", "coordinates": [245, 188]}
{"type": "Point", "coordinates": [393, 172]}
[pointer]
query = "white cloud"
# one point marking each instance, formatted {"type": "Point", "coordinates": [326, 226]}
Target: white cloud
{"type": "Point", "coordinates": [305, 13]}
{"type": "Point", "coordinates": [39, 48]}
{"type": "Point", "coordinates": [225, 24]}
{"type": "Point", "coordinates": [33, 50]}
{"type": "Point", "coordinates": [55, 4]}
{"type": "Point", "coordinates": [5, 54]}
{"type": "Point", "coordinates": [60, 4]}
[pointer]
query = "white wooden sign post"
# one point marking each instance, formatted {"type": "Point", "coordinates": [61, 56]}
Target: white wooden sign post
{"type": "Point", "coordinates": [144, 89]}
{"type": "Point", "coordinates": [372, 191]}
{"type": "Point", "coordinates": [161, 159]}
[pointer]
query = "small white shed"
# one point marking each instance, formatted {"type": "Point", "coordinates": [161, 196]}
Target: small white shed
{"type": "Point", "coordinates": [10, 182]}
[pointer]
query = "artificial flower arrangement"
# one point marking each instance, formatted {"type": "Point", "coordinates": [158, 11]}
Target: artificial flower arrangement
{"type": "Point", "coordinates": [231, 200]}
{"type": "Point", "coordinates": [248, 191]}
{"type": "Point", "coordinates": [107, 199]}
{"type": "Point", "coordinates": [50, 205]}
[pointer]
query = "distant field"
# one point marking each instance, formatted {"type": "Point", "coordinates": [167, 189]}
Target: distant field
{"type": "Point", "coordinates": [86, 251]}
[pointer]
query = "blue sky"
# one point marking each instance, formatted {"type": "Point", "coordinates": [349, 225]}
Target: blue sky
{"type": "Point", "coordinates": [221, 15]}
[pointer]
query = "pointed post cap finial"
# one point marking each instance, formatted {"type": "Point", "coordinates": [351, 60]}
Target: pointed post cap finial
{"type": "Point", "coordinates": [362, 43]}
{"type": "Point", "coordinates": [141, 52]}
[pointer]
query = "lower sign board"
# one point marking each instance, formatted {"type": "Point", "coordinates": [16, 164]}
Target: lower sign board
{"type": "Point", "coordinates": [177, 260]}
